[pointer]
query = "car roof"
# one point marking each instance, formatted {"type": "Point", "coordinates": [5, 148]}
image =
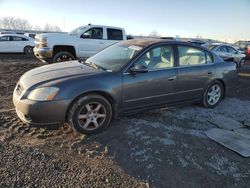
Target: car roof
{"type": "Point", "coordinates": [16, 35]}
{"type": "Point", "coordinates": [145, 42]}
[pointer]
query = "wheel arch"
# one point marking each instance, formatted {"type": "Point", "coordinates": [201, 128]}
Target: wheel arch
{"type": "Point", "coordinates": [67, 48]}
{"type": "Point", "coordinates": [223, 85]}
{"type": "Point", "coordinates": [104, 94]}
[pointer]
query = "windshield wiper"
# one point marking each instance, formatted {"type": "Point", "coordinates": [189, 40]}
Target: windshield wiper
{"type": "Point", "coordinates": [93, 65]}
{"type": "Point", "coordinates": [84, 62]}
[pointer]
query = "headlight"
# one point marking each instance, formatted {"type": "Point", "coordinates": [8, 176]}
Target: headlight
{"type": "Point", "coordinates": [43, 94]}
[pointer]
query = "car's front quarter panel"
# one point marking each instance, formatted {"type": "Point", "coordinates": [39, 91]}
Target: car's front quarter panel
{"type": "Point", "coordinates": [107, 84]}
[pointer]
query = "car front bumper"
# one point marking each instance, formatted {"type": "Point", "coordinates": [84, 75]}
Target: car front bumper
{"type": "Point", "coordinates": [44, 54]}
{"type": "Point", "coordinates": [41, 113]}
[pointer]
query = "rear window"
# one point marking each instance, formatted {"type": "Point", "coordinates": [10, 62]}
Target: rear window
{"type": "Point", "coordinates": [189, 56]}
{"type": "Point", "coordinates": [14, 38]}
{"type": "Point", "coordinates": [114, 34]}
{"type": "Point", "coordinates": [4, 38]}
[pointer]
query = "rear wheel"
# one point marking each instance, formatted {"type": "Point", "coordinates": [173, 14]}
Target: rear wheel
{"type": "Point", "coordinates": [90, 114]}
{"type": "Point", "coordinates": [213, 94]}
{"type": "Point", "coordinates": [62, 57]}
{"type": "Point", "coordinates": [28, 49]}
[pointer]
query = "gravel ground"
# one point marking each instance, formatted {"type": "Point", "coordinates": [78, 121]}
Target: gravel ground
{"type": "Point", "coordinates": [159, 148]}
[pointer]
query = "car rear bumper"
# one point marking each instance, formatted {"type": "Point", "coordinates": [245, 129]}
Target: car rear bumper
{"type": "Point", "coordinates": [44, 54]}
{"type": "Point", "coordinates": [41, 113]}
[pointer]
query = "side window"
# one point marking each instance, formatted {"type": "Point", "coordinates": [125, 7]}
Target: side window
{"type": "Point", "coordinates": [4, 38]}
{"type": "Point", "coordinates": [222, 49]}
{"type": "Point", "coordinates": [189, 56]}
{"type": "Point", "coordinates": [93, 33]}
{"type": "Point", "coordinates": [157, 58]}
{"type": "Point", "coordinates": [13, 38]}
{"type": "Point", "coordinates": [114, 34]}
{"type": "Point", "coordinates": [209, 58]}
{"type": "Point", "coordinates": [231, 50]}
{"type": "Point", "coordinates": [24, 39]}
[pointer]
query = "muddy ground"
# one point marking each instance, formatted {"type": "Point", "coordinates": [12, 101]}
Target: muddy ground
{"type": "Point", "coordinates": [159, 148]}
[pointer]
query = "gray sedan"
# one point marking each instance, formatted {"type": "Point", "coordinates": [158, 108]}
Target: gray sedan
{"type": "Point", "coordinates": [127, 77]}
{"type": "Point", "coordinates": [227, 51]}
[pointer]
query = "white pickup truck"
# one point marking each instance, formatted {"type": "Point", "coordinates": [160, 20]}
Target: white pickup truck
{"type": "Point", "coordinates": [82, 42]}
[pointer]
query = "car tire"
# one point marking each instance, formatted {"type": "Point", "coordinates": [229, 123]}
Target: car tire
{"type": "Point", "coordinates": [90, 114]}
{"type": "Point", "coordinates": [213, 94]}
{"type": "Point", "coordinates": [62, 57]}
{"type": "Point", "coordinates": [28, 50]}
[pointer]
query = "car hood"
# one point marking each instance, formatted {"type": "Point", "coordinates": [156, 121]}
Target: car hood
{"type": "Point", "coordinates": [59, 38]}
{"type": "Point", "coordinates": [55, 72]}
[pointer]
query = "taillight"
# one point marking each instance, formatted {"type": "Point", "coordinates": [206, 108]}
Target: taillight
{"type": "Point", "coordinates": [248, 51]}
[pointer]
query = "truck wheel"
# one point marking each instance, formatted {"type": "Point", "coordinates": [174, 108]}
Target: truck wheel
{"type": "Point", "coordinates": [62, 57]}
{"type": "Point", "coordinates": [90, 114]}
{"type": "Point", "coordinates": [28, 49]}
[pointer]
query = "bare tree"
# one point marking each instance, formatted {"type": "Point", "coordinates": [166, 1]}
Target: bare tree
{"type": "Point", "coordinates": [49, 27]}
{"type": "Point", "coordinates": [22, 24]}
{"type": "Point", "coordinates": [154, 34]}
{"type": "Point", "coordinates": [14, 23]}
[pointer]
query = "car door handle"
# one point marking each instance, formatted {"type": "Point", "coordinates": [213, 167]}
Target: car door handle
{"type": "Point", "coordinates": [171, 78]}
{"type": "Point", "coordinates": [210, 72]}
{"type": "Point", "coordinates": [101, 42]}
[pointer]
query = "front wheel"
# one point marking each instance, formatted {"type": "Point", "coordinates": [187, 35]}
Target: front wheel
{"type": "Point", "coordinates": [213, 94]}
{"type": "Point", "coordinates": [90, 114]}
{"type": "Point", "coordinates": [62, 57]}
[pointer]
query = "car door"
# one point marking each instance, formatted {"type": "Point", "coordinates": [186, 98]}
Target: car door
{"type": "Point", "coordinates": [91, 42]}
{"type": "Point", "coordinates": [17, 43]}
{"type": "Point", "coordinates": [5, 44]}
{"type": "Point", "coordinates": [235, 54]}
{"type": "Point", "coordinates": [222, 51]}
{"type": "Point", "coordinates": [195, 71]}
{"type": "Point", "coordinates": [155, 87]}
{"type": "Point", "coordinates": [113, 36]}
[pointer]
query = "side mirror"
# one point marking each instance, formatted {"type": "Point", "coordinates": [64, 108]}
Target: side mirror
{"type": "Point", "coordinates": [139, 69]}
{"type": "Point", "coordinates": [85, 36]}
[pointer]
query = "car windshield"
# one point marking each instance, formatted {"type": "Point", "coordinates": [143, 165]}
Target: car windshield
{"type": "Point", "coordinates": [114, 57]}
{"type": "Point", "coordinates": [77, 31]}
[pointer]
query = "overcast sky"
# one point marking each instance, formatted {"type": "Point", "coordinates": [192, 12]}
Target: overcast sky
{"type": "Point", "coordinates": [217, 19]}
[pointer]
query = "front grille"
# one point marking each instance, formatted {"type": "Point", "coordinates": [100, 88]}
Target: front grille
{"type": "Point", "coordinates": [19, 89]}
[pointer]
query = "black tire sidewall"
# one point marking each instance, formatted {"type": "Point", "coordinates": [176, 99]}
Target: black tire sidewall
{"type": "Point", "coordinates": [58, 54]}
{"type": "Point", "coordinates": [27, 50]}
{"type": "Point", "coordinates": [205, 102]}
{"type": "Point", "coordinates": [77, 106]}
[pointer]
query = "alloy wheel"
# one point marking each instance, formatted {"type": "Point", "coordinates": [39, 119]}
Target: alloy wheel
{"type": "Point", "coordinates": [64, 58]}
{"type": "Point", "coordinates": [214, 94]}
{"type": "Point", "coordinates": [92, 116]}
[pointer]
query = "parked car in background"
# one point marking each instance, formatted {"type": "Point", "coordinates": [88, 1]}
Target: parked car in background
{"type": "Point", "coordinates": [82, 42]}
{"type": "Point", "coordinates": [227, 51]}
{"type": "Point", "coordinates": [244, 46]}
{"type": "Point", "coordinates": [126, 77]}
{"type": "Point", "coordinates": [32, 35]}
{"type": "Point", "coordinates": [197, 42]}
{"type": "Point", "coordinates": [16, 43]}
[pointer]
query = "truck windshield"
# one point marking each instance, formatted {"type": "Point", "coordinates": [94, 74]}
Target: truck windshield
{"type": "Point", "coordinates": [115, 57]}
{"type": "Point", "coordinates": [77, 31]}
